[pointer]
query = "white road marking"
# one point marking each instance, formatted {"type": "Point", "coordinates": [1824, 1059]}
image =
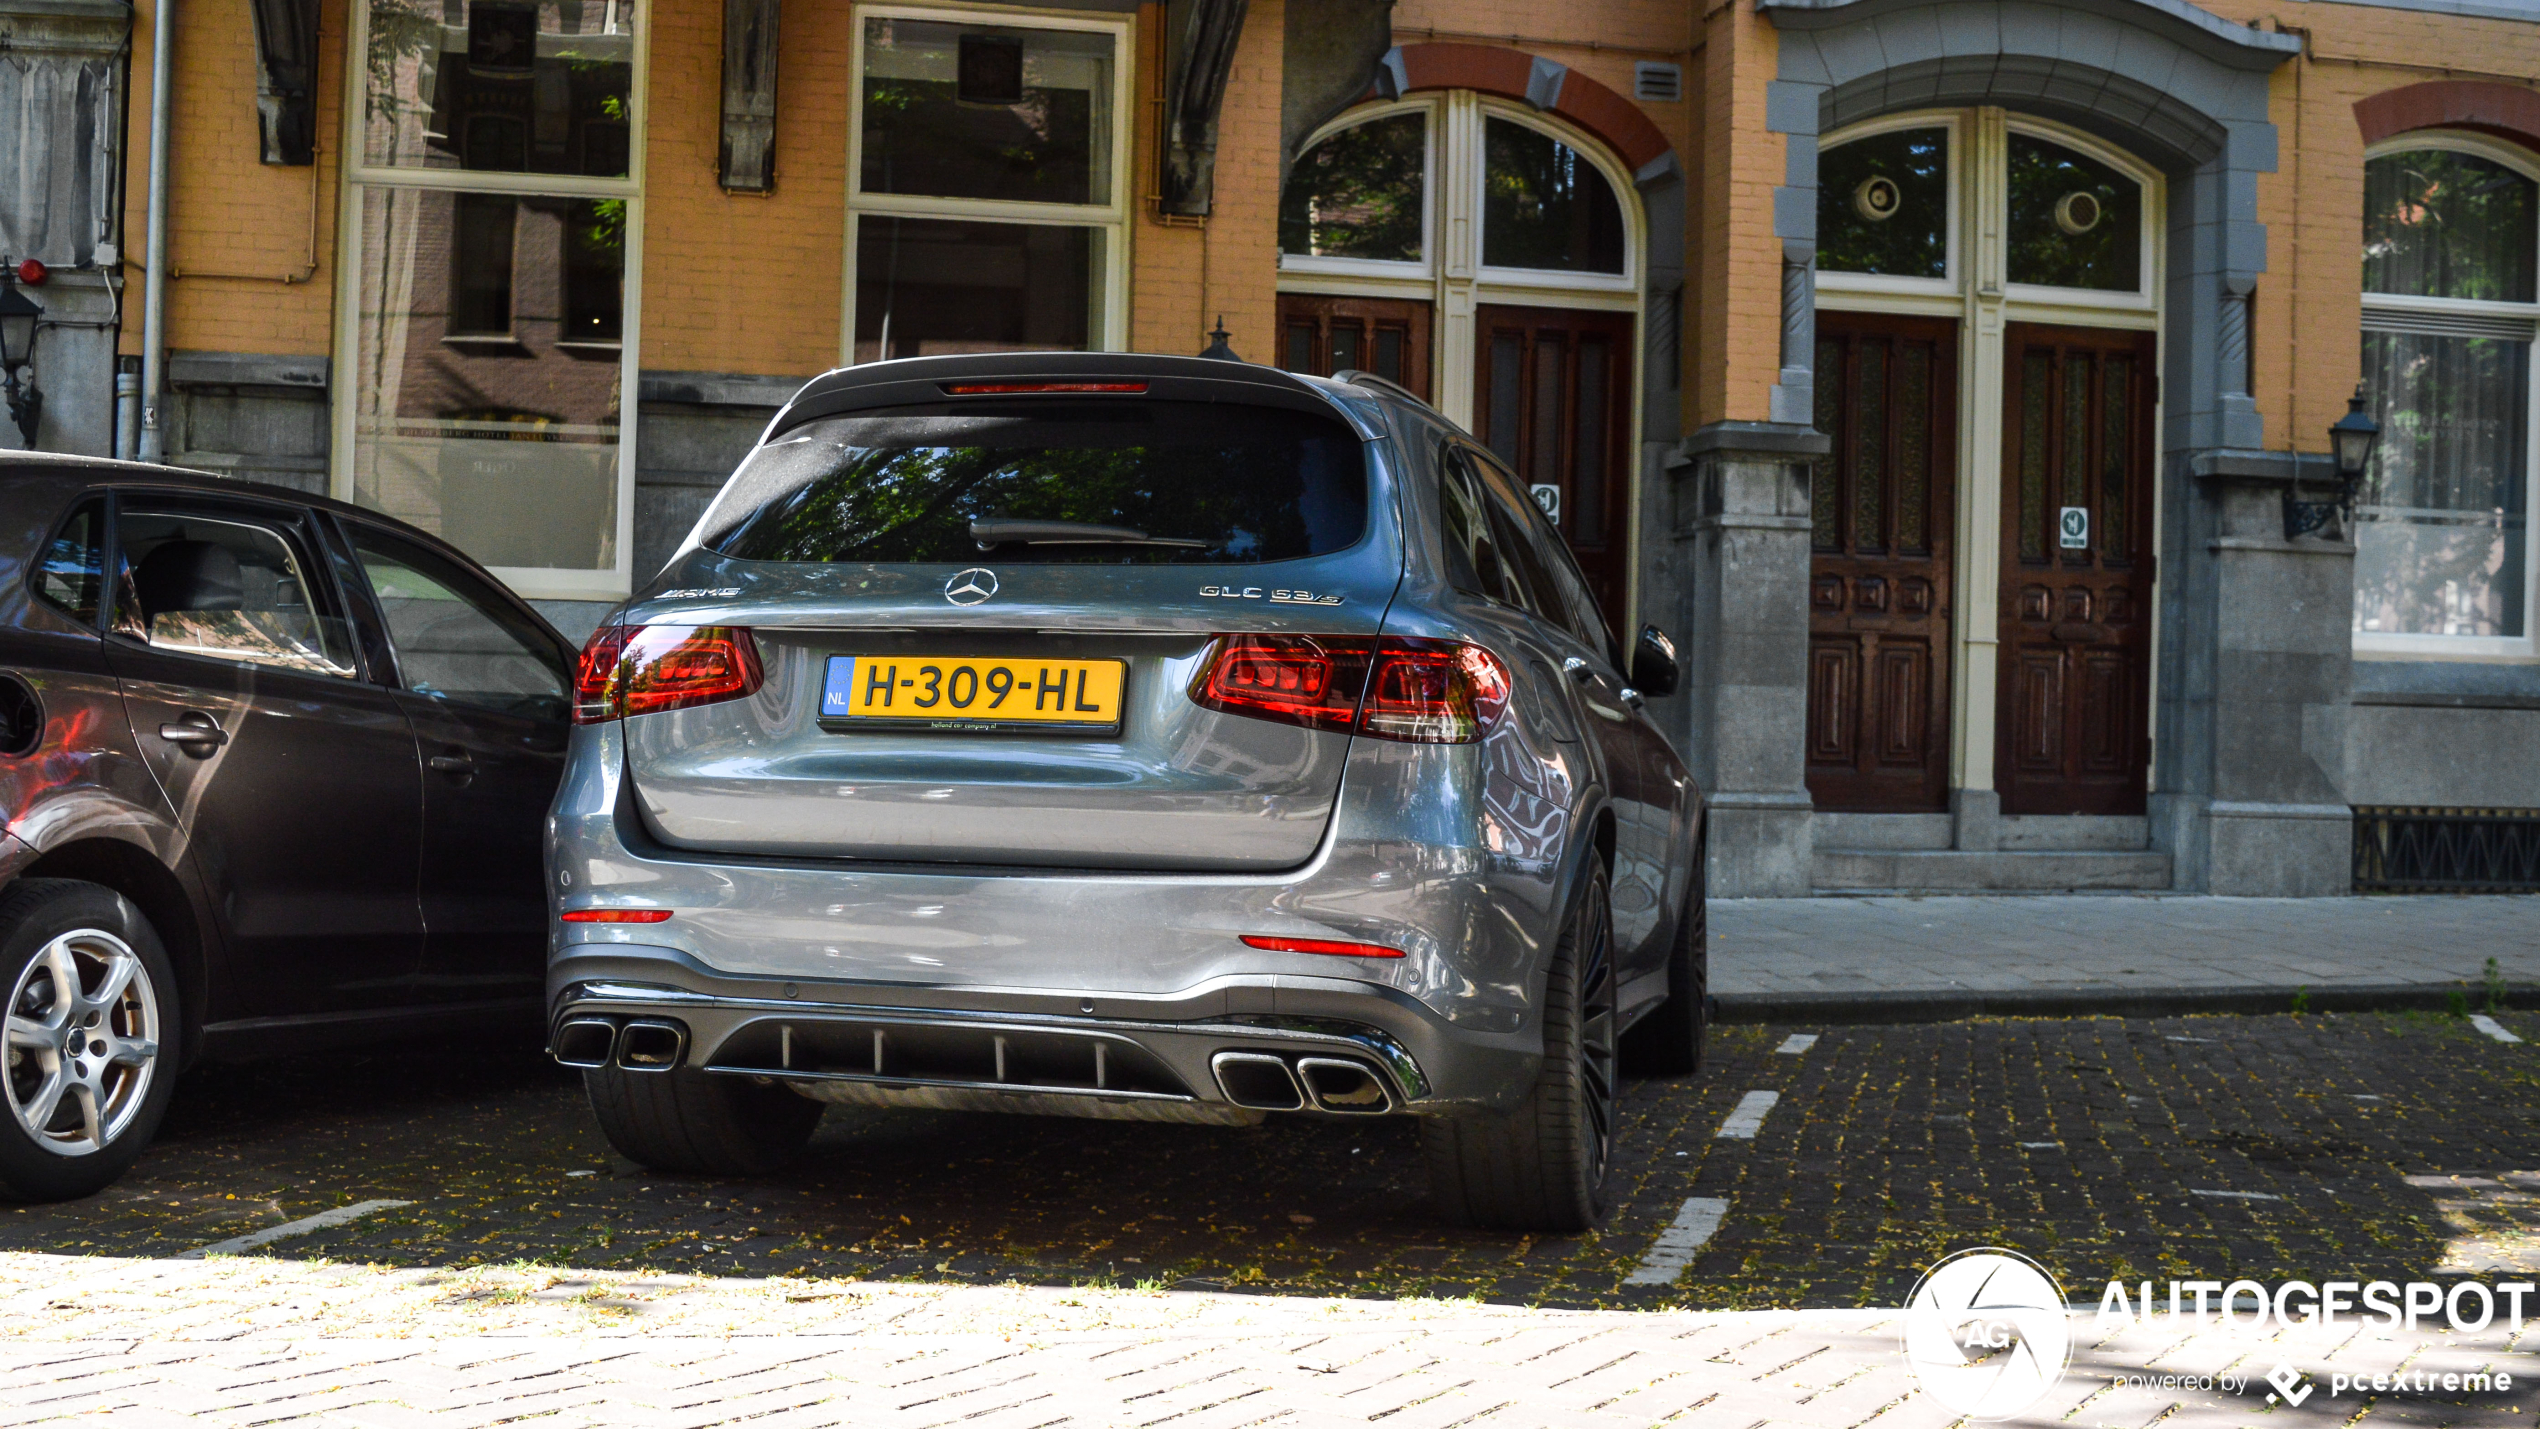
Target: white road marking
{"type": "Point", "coordinates": [2191, 1039]}
{"type": "Point", "coordinates": [1748, 1119]}
{"type": "Point", "coordinates": [1797, 1043]}
{"type": "Point", "coordinates": [2491, 1027]}
{"type": "Point", "coordinates": [2364, 1096]}
{"type": "Point", "coordinates": [323, 1220]}
{"type": "Point", "coordinates": [2235, 1195]}
{"type": "Point", "coordinates": [1675, 1246]}
{"type": "Point", "coordinates": [2039, 1145]}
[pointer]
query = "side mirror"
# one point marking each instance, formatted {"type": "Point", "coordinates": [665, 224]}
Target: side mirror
{"type": "Point", "coordinates": [1654, 669]}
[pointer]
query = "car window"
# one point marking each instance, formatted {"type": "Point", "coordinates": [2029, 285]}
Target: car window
{"type": "Point", "coordinates": [455, 640]}
{"type": "Point", "coordinates": [71, 574]}
{"type": "Point", "coordinates": [231, 587]}
{"type": "Point", "coordinates": [1568, 599]}
{"type": "Point", "coordinates": [1512, 524]}
{"type": "Point", "coordinates": [1477, 542]}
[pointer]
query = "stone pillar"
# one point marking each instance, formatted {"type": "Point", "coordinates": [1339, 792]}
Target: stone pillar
{"type": "Point", "coordinates": [2250, 802]}
{"type": "Point", "coordinates": [1740, 493]}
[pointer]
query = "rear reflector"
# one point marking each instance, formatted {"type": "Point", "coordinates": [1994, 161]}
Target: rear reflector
{"type": "Point", "coordinates": [643, 669]}
{"type": "Point", "coordinates": [1320, 945]}
{"type": "Point", "coordinates": [992, 389]}
{"type": "Point", "coordinates": [618, 915]}
{"type": "Point", "coordinates": [1419, 691]}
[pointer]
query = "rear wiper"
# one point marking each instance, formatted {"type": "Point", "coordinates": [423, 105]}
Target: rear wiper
{"type": "Point", "coordinates": [990, 531]}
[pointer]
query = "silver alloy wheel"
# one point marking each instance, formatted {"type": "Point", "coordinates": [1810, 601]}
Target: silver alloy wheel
{"type": "Point", "coordinates": [83, 1039]}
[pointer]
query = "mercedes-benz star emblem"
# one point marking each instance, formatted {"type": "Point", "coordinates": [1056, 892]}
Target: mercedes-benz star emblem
{"type": "Point", "coordinates": [971, 586]}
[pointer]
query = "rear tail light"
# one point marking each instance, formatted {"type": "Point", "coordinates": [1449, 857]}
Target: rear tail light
{"type": "Point", "coordinates": [1420, 691]}
{"type": "Point", "coordinates": [617, 915]}
{"type": "Point", "coordinates": [643, 669]}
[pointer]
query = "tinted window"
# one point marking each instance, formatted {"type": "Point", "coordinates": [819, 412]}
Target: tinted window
{"type": "Point", "coordinates": [454, 640]}
{"type": "Point", "coordinates": [1203, 484]}
{"type": "Point", "coordinates": [1883, 205]}
{"type": "Point", "coordinates": [233, 588]}
{"type": "Point", "coordinates": [1525, 535]}
{"type": "Point", "coordinates": [72, 572]}
{"type": "Point", "coordinates": [1474, 554]}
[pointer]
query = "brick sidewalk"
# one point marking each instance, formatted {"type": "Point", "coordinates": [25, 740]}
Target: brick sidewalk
{"type": "Point", "coordinates": [359, 1346]}
{"type": "Point", "coordinates": [2140, 955]}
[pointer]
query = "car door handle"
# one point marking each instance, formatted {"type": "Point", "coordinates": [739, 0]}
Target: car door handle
{"type": "Point", "coordinates": [1633, 698]}
{"type": "Point", "coordinates": [1577, 669]}
{"type": "Point", "coordinates": [455, 763]}
{"type": "Point", "coordinates": [194, 728]}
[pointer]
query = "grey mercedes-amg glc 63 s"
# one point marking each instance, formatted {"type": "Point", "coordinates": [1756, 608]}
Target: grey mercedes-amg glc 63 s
{"type": "Point", "coordinates": [1123, 736]}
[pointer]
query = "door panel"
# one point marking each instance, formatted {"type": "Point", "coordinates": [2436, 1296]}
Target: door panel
{"type": "Point", "coordinates": [486, 692]}
{"type": "Point", "coordinates": [1386, 336]}
{"type": "Point", "coordinates": [302, 799]}
{"type": "Point", "coordinates": [1880, 577]}
{"type": "Point", "coordinates": [1552, 400]}
{"type": "Point", "coordinates": [2075, 623]}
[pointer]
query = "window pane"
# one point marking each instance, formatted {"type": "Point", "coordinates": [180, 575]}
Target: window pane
{"type": "Point", "coordinates": [504, 444]}
{"type": "Point", "coordinates": [926, 287]}
{"type": "Point", "coordinates": [1359, 193]}
{"type": "Point", "coordinates": [2442, 521]}
{"type": "Point", "coordinates": [73, 571]}
{"type": "Point", "coordinates": [1883, 205]}
{"type": "Point", "coordinates": [1544, 205]}
{"type": "Point", "coordinates": [972, 111]}
{"type": "Point", "coordinates": [232, 590]}
{"type": "Point", "coordinates": [453, 642]}
{"type": "Point", "coordinates": [2440, 224]}
{"type": "Point", "coordinates": [1246, 484]}
{"type": "Point", "coordinates": [2075, 222]}
{"type": "Point", "coordinates": [506, 86]}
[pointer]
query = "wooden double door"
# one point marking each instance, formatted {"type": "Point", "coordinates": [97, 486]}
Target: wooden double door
{"type": "Point", "coordinates": [2073, 713]}
{"type": "Point", "coordinates": [1552, 398]}
{"type": "Point", "coordinates": [2072, 680]}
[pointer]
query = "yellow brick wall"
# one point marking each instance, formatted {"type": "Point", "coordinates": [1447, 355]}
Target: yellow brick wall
{"type": "Point", "coordinates": [1185, 275]}
{"type": "Point", "coordinates": [236, 226]}
{"type": "Point", "coordinates": [736, 282]}
{"type": "Point", "coordinates": [1737, 336]}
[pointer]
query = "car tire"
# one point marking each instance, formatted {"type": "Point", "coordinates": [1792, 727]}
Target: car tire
{"type": "Point", "coordinates": [696, 1123]}
{"type": "Point", "coordinates": [1669, 1041]}
{"type": "Point", "coordinates": [1542, 1166]}
{"type": "Point", "coordinates": [92, 1037]}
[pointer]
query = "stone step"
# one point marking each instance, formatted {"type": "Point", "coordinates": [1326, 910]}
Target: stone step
{"type": "Point", "coordinates": [1861, 870]}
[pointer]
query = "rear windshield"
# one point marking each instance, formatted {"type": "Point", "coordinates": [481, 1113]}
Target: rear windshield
{"type": "Point", "coordinates": [1116, 482]}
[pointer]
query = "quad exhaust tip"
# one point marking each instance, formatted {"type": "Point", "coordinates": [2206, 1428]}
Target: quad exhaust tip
{"type": "Point", "coordinates": [586, 1042]}
{"type": "Point", "coordinates": [1257, 1080]}
{"type": "Point", "coordinates": [1345, 1087]}
{"type": "Point", "coordinates": [651, 1046]}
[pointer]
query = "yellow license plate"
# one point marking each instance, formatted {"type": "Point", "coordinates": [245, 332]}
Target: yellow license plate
{"type": "Point", "coordinates": [963, 692]}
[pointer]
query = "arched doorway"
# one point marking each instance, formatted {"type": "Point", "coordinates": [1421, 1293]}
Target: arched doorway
{"type": "Point", "coordinates": [1488, 257]}
{"type": "Point", "coordinates": [1981, 604]}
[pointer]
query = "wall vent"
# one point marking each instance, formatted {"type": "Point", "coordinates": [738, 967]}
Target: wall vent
{"type": "Point", "coordinates": [1658, 82]}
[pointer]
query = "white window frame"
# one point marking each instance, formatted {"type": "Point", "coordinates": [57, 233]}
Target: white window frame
{"type": "Point", "coordinates": [1110, 217]}
{"type": "Point", "coordinates": [1946, 285]}
{"type": "Point", "coordinates": [2393, 312]}
{"type": "Point", "coordinates": [1417, 271]}
{"type": "Point", "coordinates": [360, 176]}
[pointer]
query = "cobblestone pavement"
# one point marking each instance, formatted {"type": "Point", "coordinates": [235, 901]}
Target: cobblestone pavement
{"type": "Point", "coordinates": [1789, 949]}
{"type": "Point", "coordinates": [2391, 1147]}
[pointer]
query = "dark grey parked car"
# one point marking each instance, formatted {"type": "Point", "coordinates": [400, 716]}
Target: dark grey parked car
{"type": "Point", "coordinates": [273, 772]}
{"type": "Point", "coordinates": [1126, 736]}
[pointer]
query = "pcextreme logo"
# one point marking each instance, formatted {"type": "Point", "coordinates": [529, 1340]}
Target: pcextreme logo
{"type": "Point", "coordinates": [1986, 1333]}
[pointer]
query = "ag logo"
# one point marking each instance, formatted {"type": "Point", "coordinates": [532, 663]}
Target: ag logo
{"type": "Point", "coordinates": [1986, 1333]}
{"type": "Point", "coordinates": [971, 586]}
{"type": "Point", "coordinates": [2074, 528]}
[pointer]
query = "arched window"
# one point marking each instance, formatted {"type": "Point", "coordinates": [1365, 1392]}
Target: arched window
{"type": "Point", "coordinates": [2451, 251]}
{"type": "Point", "coordinates": [1484, 256]}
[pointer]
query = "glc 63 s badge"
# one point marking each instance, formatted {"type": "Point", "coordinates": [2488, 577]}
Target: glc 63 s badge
{"type": "Point", "coordinates": [1277, 597]}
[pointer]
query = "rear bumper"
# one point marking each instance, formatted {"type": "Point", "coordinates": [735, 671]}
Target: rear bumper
{"type": "Point", "coordinates": [1182, 1057]}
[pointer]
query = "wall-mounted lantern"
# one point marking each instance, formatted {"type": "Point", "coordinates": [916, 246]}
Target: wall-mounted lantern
{"type": "Point", "coordinates": [19, 315]}
{"type": "Point", "coordinates": [2351, 440]}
